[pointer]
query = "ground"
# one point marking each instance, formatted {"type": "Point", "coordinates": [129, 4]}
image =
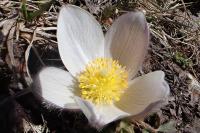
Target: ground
{"type": "Point", "coordinates": [28, 43]}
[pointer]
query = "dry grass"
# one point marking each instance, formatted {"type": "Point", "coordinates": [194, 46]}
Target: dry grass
{"type": "Point", "coordinates": [26, 46]}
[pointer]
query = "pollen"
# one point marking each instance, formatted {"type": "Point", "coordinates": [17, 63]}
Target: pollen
{"type": "Point", "coordinates": [103, 81]}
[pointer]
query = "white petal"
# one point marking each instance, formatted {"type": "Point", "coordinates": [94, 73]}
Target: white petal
{"type": "Point", "coordinates": [143, 93]}
{"type": "Point", "coordinates": [127, 41]}
{"type": "Point", "coordinates": [100, 115]}
{"type": "Point", "coordinates": [80, 38]}
{"type": "Point", "coordinates": [56, 86]}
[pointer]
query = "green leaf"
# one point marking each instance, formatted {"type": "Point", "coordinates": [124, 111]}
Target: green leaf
{"type": "Point", "coordinates": [125, 127]}
{"type": "Point", "coordinates": [24, 9]}
{"type": "Point", "coordinates": [167, 127]}
{"type": "Point", "coordinates": [42, 8]}
{"type": "Point", "coordinates": [30, 16]}
{"type": "Point", "coordinates": [145, 131]}
{"type": "Point", "coordinates": [108, 12]}
{"type": "Point", "coordinates": [182, 60]}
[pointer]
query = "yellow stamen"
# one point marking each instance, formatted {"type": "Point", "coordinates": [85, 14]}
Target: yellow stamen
{"type": "Point", "coordinates": [103, 81]}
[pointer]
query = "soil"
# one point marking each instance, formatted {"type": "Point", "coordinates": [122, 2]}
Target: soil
{"type": "Point", "coordinates": [174, 48]}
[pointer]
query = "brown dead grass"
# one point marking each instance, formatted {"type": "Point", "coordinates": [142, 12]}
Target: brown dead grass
{"type": "Point", "coordinates": [174, 48]}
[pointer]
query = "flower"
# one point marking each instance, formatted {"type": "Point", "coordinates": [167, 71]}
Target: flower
{"type": "Point", "coordinates": [100, 79]}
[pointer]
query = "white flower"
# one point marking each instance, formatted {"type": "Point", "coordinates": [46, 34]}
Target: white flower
{"type": "Point", "coordinates": [100, 81]}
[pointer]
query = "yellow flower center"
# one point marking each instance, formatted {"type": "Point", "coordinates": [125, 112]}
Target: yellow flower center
{"type": "Point", "coordinates": [103, 81]}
